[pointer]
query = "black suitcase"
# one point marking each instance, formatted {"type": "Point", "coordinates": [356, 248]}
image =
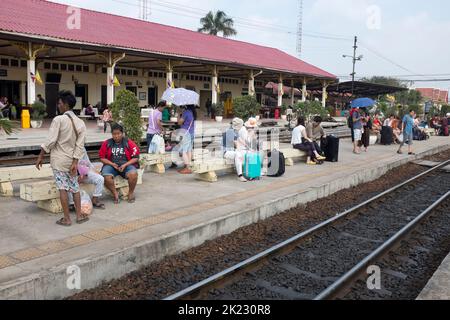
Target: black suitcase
{"type": "Point", "coordinates": [330, 146]}
{"type": "Point", "coordinates": [277, 164]}
{"type": "Point", "coordinates": [387, 134]}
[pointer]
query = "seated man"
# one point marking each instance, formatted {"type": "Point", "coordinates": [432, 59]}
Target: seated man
{"type": "Point", "coordinates": [89, 111]}
{"type": "Point", "coordinates": [4, 108]}
{"type": "Point", "coordinates": [235, 147]}
{"type": "Point", "coordinates": [120, 156]}
{"type": "Point", "coordinates": [87, 174]}
{"type": "Point", "coordinates": [315, 132]}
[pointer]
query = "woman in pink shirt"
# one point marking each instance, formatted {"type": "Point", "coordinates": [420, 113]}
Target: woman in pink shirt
{"type": "Point", "coordinates": [107, 118]}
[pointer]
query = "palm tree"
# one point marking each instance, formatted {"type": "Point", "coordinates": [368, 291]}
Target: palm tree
{"type": "Point", "coordinates": [214, 23]}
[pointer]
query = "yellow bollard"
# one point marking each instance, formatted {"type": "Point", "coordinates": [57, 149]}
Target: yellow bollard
{"type": "Point", "coordinates": [26, 119]}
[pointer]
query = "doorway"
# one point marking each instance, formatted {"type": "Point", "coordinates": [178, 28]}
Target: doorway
{"type": "Point", "coordinates": [81, 91]}
{"type": "Point", "coordinates": [51, 99]}
{"type": "Point", "coordinates": [205, 95]}
{"type": "Point", "coordinates": [153, 96]}
{"type": "Point", "coordinates": [104, 99]}
{"type": "Point", "coordinates": [132, 89]}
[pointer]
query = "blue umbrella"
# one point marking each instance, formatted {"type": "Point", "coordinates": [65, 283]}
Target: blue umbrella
{"type": "Point", "coordinates": [363, 103]}
{"type": "Point", "coordinates": [181, 97]}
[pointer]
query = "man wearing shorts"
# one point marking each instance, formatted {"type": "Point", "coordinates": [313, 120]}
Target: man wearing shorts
{"type": "Point", "coordinates": [65, 143]}
{"type": "Point", "coordinates": [408, 137]}
{"type": "Point", "coordinates": [357, 129]}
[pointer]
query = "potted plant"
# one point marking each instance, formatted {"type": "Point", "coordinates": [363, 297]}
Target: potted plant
{"type": "Point", "coordinates": [246, 107]}
{"type": "Point", "coordinates": [126, 111]}
{"type": "Point", "coordinates": [38, 114]}
{"type": "Point", "coordinates": [218, 111]}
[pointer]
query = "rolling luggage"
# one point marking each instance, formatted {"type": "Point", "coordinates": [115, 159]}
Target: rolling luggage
{"type": "Point", "coordinates": [330, 146]}
{"type": "Point", "coordinates": [252, 166]}
{"type": "Point", "coordinates": [387, 135]}
{"type": "Point", "coordinates": [277, 164]}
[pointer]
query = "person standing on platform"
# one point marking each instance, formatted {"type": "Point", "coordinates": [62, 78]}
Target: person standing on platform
{"type": "Point", "coordinates": [357, 129]}
{"type": "Point", "coordinates": [65, 143]}
{"type": "Point", "coordinates": [155, 122]}
{"type": "Point", "coordinates": [408, 137]}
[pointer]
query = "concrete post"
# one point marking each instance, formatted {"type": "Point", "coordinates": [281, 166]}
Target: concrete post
{"type": "Point", "coordinates": [280, 92]}
{"type": "Point", "coordinates": [215, 83]}
{"type": "Point", "coordinates": [251, 84]}
{"type": "Point", "coordinates": [304, 91]}
{"type": "Point", "coordinates": [31, 72]}
{"type": "Point", "coordinates": [292, 93]}
{"type": "Point", "coordinates": [111, 60]}
{"type": "Point", "coordinates": [324, 94]}
{"type": "Point", "coordinates": [169, 74]}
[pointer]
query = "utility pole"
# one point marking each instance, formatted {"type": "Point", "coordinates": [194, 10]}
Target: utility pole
{"type": "Point", "coordinates": [300, 29]}
{"type": "Point", "coordinates": [144, 10]}
{"type": "Point", "coordinates": [354, 59]}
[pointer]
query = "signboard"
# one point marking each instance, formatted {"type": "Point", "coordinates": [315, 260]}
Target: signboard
{"type": "Point", "coordinates": [428, 106]}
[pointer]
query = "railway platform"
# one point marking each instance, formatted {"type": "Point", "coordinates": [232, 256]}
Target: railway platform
{"type": "Point", "coordinates": [38, 259]}
{"type": "Point", "coordinates": [438, 288]}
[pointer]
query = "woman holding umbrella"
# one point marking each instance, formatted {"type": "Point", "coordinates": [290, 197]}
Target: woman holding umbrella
{"type": "Point", "coordinates": [187, 123]}
{"type": "Point", "coordinates": [357, 120]}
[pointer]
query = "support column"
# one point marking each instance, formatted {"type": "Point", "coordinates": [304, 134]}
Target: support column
{"type": "Point", "coordinates": [251, 84]}
{"type": "Point", "coordinates": [169, 75]}
{"type": "Point", "coordinates": [324, 94]}
{"type": "Point", "coordinates": [304, 90]}
{"type": "Point", "coordinates": [111, 61]}
{"type": "Point", "coordinates": [31, 51]}
{"type": "Point", "coordinates": [214, 85]}
{"type": "Point", "coordinates": [292, 93]}
{"type": "Point", "coordinates": [280, 91]}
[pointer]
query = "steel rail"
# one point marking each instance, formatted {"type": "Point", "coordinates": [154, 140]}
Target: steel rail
{"type": "Point", "coordinates": [196, 289]}
{"type": "Point", "coordinates": [343, 283]}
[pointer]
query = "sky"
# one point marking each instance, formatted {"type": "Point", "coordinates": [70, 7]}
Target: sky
{"type": "Point", "coordinates": [410, 39]}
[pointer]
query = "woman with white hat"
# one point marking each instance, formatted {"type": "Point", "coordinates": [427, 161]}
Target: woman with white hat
{"type": "Point", "coordinates": [235, 146]}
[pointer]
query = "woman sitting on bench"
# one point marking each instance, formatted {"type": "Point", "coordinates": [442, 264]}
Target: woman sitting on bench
{"type": "Point", "coordinates": [120, 157]}
{"type": "Point", "coordinates": [300, 141]}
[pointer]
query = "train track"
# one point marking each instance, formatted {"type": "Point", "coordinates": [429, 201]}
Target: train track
{"type": "Point", "coordinates": [325, 261]}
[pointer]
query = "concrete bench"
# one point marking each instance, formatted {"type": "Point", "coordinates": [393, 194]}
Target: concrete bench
{"type": "Point", "coordinates": [9, 175]}
{"type": "Point", "coordinates": [156, 162]}
{"type": "Point", "coordinates": [46, 195]}
{"type": "Point", "coordinates": [207, 170]}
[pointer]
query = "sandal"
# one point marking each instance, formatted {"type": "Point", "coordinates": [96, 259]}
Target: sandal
{"type": "Point", "coordinates": [82, 220]}
{"type": "Point", "coordinates": [99, 206]}
{"type": "Point", "coordinates": [133, 200]}
{"type": "Point", "coordinates": [63, 222]}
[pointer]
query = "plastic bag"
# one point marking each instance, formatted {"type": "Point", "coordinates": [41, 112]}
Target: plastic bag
{"type": "Point", "coordinates": [400, 138]}
{"type": "Point", "coordinates": [86, 204]}
{"type": "Point", "coordinates": [157, 146]}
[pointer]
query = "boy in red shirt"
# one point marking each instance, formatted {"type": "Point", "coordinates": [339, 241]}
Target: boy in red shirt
{"type": "Point", "coordinates": [120, 156]}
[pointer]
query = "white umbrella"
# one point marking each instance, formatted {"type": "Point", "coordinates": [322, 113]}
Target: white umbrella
{"type": "Point", "coordinates": [181, 97]}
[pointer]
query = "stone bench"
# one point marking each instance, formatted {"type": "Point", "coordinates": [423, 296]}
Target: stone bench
{"type": "Point", "coordinates": [12, 174]}
{"type": "Point", "coordinates": [207, 170]}
{"type": "Point", "coordinates": [46, 195]}
{"type": "Point", "coordinates": [156, 162]}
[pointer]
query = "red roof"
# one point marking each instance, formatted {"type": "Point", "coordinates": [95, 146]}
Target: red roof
{"type": "Point", "coordinates": [435, 95]}
{"type": "Point", "coordinates": [48, 19]}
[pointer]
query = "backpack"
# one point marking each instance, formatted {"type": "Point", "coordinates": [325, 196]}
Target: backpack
{"type": "Point", "coordinates": [277, 164]}
{"type": "Point", "coordinates": [350, 122]}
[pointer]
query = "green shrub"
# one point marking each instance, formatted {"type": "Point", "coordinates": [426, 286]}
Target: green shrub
{"type": "Point", "coordinates": [310, 109]}
{"type": "Point", "coordinates": [125, 110]}
{"type": "Point", "coordinates": [218, 109]}
{"type": "Point", "coordinates": [38, 111]}
{"type": "Point", "coordinates": [246, 107]}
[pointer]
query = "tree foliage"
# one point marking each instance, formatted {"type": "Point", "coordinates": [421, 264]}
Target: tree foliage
{"type": "Point", "coordinates": [125, 110]}
{"type": "Point", "coordinates": [310, 109]}
{"type": "Point", "coordinates": [217, 22]}
{"type": "Point", "coordinates": [246, 107]}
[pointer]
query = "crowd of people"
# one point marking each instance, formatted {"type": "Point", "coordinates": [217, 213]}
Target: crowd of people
{"type": "Point", "coordinates": [119, 155]}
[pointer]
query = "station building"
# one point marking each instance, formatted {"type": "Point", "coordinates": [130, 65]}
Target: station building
{"type": "Point", "coordinates": [88, 52]}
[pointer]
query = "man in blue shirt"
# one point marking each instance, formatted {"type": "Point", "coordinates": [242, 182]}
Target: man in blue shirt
{"type": "Point", "coordinates": [408, 125]}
